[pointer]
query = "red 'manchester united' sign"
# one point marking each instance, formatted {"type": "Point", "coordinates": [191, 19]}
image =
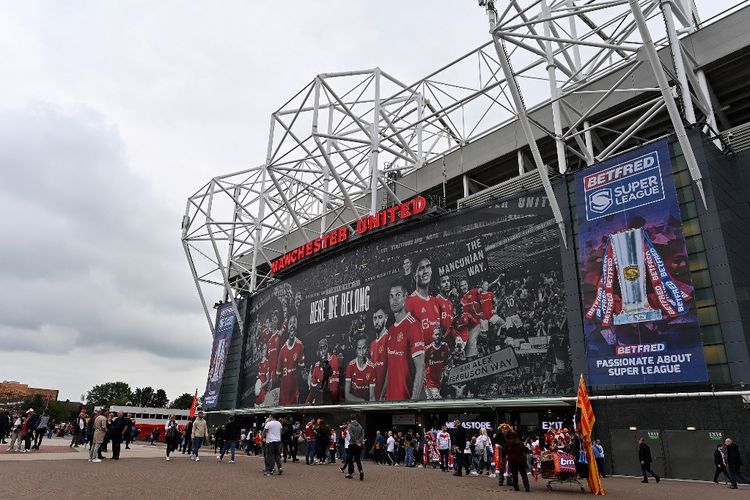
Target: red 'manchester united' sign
{"type": "Point", "coordinates": [368, 223]}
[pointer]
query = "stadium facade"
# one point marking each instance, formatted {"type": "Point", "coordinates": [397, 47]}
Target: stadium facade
{"type": "Point", "coordinates": [570, 198]}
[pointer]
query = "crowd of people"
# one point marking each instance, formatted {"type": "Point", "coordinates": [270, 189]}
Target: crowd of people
{"type": "Point", "coordinates": [501, 453]}
{"type": "Point", "coordinates": [26, 429]}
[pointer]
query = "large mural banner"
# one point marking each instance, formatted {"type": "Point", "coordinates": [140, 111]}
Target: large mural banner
{"type": "Point", "coordinates": [468, 305]}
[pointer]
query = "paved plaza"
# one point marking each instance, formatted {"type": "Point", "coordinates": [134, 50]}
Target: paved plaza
{"type": "Point", "coordinates": [142, 472]}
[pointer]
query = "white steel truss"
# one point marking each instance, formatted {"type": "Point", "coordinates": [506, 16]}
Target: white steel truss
{"type": "Point", "coordinates": [340, 145]}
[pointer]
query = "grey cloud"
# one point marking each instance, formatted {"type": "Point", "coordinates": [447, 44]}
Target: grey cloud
{"type": "Point", "coordinates": [91, 256]}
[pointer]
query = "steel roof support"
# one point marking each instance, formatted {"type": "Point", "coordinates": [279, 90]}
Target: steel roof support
{"type": "Point", "coordinates": [523, 119]}
{"type": "Point", "coordinates": [674, 113]}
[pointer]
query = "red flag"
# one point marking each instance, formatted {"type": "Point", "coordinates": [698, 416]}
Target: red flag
{"type": "Point", "coordinates": [587, 426]}
{"type": "Point", "coordinates": [195, 403]}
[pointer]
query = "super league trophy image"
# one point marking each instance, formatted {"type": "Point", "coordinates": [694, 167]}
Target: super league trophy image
{"type": "Point", "coordinates": [631, 270]}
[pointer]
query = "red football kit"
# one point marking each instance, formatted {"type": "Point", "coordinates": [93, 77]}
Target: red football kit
{"type": "Point", "coordinates": [378, 358]}
{"type": "Point", "coordinates": [404, 342]}
{"type": "Point", "coordinates": [264, 372]}
{"type": "Point", "coordinates": [333, 382]}
{"type": "Point", "coordinates": [487, 304]}
{"type": "Point", "coordinates": [464, 323]}
{"type": "Point", "coordinates": [291, 359]}
{"type": "Point", "coordinates": [446, 313]}
{"type": "Point", "coordinates": [470, 301]}
{"type": "Point", "coordinates": [434, 362]}
{"type": "Point", "coordinates": [426, 311]}
{"type": "Point", "coordinates": [274, 344]}
{"type": "Point", "coordinates": [361, 378]}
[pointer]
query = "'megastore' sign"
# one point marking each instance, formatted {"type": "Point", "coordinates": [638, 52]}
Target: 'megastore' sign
{"type": "Point", "coordinates": [364, 225]}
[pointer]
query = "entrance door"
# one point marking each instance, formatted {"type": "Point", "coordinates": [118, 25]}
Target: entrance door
{"type": "Point", "coordinates": [623, 455]}
{"type": "Point", "coordinates": [691, 453]}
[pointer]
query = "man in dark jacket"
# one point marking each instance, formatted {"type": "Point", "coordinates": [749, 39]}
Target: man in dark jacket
{"type": "Point", "coordinates": [31, 426]}
{"type": "Point", "coordinates": [4, 426]}
{"type": "Point", "coordinates": [734, 464]}
{"type": "Point", "coordinates": [719, 463]}
{"type": "Point", "coordinates": [188, 443]}
{"type": "Point", "coordinates": [231, 435]}
{"type": "Point", "coordinates": [459, 444]}
{"type": "Point", "coordinates": [644, 455]}
{"type": "Point", "coordinates": [117, 432]}
{"type": "Point", "coordinates": [128, 421]}
{"type": "Point", "coordinates": [79, 431]}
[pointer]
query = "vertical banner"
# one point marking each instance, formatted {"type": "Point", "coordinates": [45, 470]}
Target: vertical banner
{"type": "Point", "coordinates": [224, 327]}
{"type": "Point", "coordinates": [640, 319]}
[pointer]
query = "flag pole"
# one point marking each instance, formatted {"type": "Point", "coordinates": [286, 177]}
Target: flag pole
{"type": "Point", "coordinates": [587, 426]}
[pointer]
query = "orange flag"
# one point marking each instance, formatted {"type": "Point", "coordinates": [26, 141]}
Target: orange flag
{"type": "Point", "coordinates": [195, 403]}
{"type": "Point", "coordinates": [587, 426]}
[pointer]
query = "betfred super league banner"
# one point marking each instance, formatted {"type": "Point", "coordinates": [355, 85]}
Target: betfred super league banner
{"type": "Point", "coordinates": [225, 322]}
{"type": "Point", "coordinates": [468, 305]}
{"type": "Point", "coordinates": [640, 319]}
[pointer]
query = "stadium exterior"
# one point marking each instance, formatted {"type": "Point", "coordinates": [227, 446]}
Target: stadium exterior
{"type": "Point", "coordinates": [560, 88]}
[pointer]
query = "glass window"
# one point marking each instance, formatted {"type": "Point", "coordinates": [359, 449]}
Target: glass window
{"type": "Point", "coordinates": [701, 279]}
{"type": "Point", "coordinates": [691, 227]}
{"type": "Point", "coordinates": [715, 354]}
{"type": "Point", "coordinates": [704, 297]}
{"type": "Point", "coordinates": [695, 244]}
{"type": "Point", "coordinates": [712, 334]}
{"type": "Point", "coordinates": [681, 178]}
{"type": "Point", "coordinates": [688, 210]}
{"type": "Point", "coordinates": [719, 374]}
{"type": "Point", "coordinates": [697, 261]}
{"type": "Point", "coordinates": [708, 315]}
{"type": "Point", "coordinates": [685, 194]}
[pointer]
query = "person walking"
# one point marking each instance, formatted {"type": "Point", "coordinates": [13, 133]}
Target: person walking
{"type": "Point", "coordinates": [296, 435]}
{"type": "Point", "coordinates": [231, 436]}
{"type": "Point", "coordinates": [720, 462]}
{"type": "Point", "coordinates": [644, 455]}
{"type": "Point", "coordinates": [272, 435]}
{"type": "Point", "coordinates": [444, 447]}
{"type": "Point", "coordinates": [599, 457]}
{"type": "Point", "coordinates": [172, 435]}
{"type": "Point", "coordinates": [200, 434]}
{"type": "Point", "coordinates": [99, 430]}
{"type": "Point", "coordinates": [188, 441]}
{"type": "Point", "coordinates": [379, 448]}
{"type": "Point", "coordinates": [515, 453]}
{"type": "Point", "coordinates": [483, 446]}
{"type": "Point", "coordinates": [734, 464]}
{"type": "Point", "coordinates": [459, 446]}
{"type": "Point", "coordinates": [40, 430]}
{"type": "Point", "coordinates": [356, 437]}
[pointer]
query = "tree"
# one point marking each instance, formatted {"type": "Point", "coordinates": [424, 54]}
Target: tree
{"type": "Point", "coordinates": [160, 399]}
{"type": "Point", "coordinates": [55, 409]}
{"type": "Point", "coordinates": [183, 402]}
{"type": "Point", "coordinates": [144, 396]}
{"type": "Point", "coordinates": [108, 394]}
{"type": "Point", "coordinates": [150, 398]}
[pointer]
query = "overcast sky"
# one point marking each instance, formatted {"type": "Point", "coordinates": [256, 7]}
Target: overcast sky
{"type": "Point", "coordinates": [112, 114]}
